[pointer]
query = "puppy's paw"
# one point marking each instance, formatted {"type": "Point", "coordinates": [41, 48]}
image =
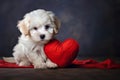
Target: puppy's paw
{"type": "Point", "coordinates": [24, 64]}
{"type": "Point", "coordinates": [40, 66]}
{"type": "Point", "coordinates": [51, 64]}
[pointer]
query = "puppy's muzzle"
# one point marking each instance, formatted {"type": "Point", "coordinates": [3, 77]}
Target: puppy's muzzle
{"type": "Point", "coordinates": [42, 36]}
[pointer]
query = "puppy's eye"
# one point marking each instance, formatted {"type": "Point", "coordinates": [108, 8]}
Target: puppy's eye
{"type": "Point", "coordinates": [35, 28]}
{"type": "Point", "coordinates": [47, 27]}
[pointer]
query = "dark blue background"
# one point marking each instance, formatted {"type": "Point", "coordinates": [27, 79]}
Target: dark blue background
{"type": "Point", "coordinates": [93, 23]}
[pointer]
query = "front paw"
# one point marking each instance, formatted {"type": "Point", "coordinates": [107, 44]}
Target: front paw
{"type": "Point", "coordinates": [51, 64]}
{"type": "Point", "coordinates": [24, 63]}
{"type": "Point", "coordinates": [40, 66]}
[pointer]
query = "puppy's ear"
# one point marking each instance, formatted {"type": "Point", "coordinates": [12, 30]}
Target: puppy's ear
{"type": "Point", "coordinates": [23, 27]}
{"type": "Point", "coordinates": [55, 20]}
{"type": "Point", "coordinates": [57, 25]}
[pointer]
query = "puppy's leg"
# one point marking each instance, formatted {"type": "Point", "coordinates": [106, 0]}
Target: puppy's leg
{"type": "Point", "coordinates": [19, 55]}
{"type": "Point", "coordinates": [21, 59]}
{"type": "Point", "coordinates": [50, 64]}
{"type": "Point", "coordinates": [37, 60]}
{"type": "Point", "coordinates": [24, 62]}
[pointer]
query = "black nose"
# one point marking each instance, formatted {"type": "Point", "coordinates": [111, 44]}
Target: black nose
{"type": "Point", "coordinates": [42, 36]}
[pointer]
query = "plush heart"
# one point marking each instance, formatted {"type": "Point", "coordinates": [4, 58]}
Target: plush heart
{"type": "Point", "coordinates": [62, 53]}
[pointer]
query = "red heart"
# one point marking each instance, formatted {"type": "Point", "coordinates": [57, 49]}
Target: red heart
{"type": "Point", "coordinates": [62, 53]}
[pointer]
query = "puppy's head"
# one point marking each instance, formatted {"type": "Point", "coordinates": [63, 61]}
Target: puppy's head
{"type": "Point", "coordinates": [39, 25]}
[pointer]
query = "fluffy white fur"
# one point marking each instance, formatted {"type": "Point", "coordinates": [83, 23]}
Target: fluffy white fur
{"type": "Point", "coordinates": [37, 28]}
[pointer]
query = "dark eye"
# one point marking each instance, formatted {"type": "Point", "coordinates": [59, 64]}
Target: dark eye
{"type": "Point", "coordinates": [35, 28]}
{"type": "Point", "coordinates": [47, 27]}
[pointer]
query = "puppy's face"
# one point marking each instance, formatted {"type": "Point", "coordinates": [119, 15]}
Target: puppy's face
{"type": "Point", "coordinates": [41, 30]}
{"type": "Point", "coordinates": [39, 25]}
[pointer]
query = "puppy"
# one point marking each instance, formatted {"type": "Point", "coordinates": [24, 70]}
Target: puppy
{"type": "Point", "coordinates": [37, 28]}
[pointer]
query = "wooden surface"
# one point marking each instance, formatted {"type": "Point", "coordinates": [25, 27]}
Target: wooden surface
{"type": "Point", "coordinates": [59, 74]}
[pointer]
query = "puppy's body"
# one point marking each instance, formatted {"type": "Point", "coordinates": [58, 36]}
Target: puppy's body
{"type": "Point", "coordinates": [27, 51]}
{"type": "Point", "coordinates": [38, 28]}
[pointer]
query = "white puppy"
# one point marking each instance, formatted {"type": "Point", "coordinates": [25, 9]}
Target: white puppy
{"type": "Point", "coordinates": [37, 28]}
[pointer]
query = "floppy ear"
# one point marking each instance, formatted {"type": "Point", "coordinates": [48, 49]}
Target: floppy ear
{"type": "Point", "coordinates": [23, 27]}
{"type": "Point", "coordinates": [57, 25]}
{"type": "Point", "coordinates": [55, 20]}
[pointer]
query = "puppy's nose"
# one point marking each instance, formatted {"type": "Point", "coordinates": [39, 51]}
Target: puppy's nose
{"type": "Point", "coordinates": [42, 36]}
